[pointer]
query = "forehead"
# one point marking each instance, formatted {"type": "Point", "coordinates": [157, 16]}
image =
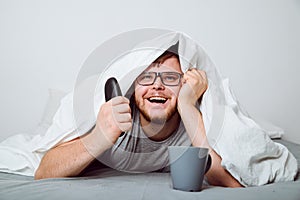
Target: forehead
{"type": "Point", "coordinates": [170, 64]}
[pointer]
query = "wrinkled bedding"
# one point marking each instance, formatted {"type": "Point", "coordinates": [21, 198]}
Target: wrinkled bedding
{"type": "Point", "coordinates": [111, 184]}
{"type": "Point", "coordinates": [246, 149]}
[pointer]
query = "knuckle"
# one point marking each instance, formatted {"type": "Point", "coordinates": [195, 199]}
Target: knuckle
{"type": "Point", "coordinates": [104, 110]}
{"type": "Point", "coordinates": [128, 116]}
{"type": "Point", "coordinates": [128, 126]}
{"type": "Point", "coordinates": [124, 99]}
{"type": "Point", "coordinates": [128, 107]}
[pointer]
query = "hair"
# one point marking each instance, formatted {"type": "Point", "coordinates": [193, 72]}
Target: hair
{"type": "Point", "coordinates": [166, 55]}
{"type": "Point", "coordinates": [169, 53]}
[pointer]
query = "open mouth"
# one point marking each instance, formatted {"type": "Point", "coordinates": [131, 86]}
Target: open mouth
{"type": "Point", "coordinates": [160, 100]}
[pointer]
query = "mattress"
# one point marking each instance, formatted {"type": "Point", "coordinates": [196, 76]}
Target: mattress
{"type": "Point", "coordinates": [112, 184]}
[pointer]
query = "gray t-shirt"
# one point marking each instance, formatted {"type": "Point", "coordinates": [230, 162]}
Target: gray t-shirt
{"type": "Point", "coordinates": [135, 152]}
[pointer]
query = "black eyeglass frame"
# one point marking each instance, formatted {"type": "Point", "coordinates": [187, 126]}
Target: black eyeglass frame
{"type": "Point", "coordinates": [160, 74]}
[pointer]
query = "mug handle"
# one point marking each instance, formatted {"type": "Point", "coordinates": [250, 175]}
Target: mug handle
{"type": "Point", "coordinates": [208, 164]}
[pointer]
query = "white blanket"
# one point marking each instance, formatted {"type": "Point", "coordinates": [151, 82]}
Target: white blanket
{"type": "Point", "coordinates": [246, 149]}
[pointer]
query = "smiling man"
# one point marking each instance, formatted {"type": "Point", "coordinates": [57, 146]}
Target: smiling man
{"type": "Point", "coordinates": [156, 92]}
{"type": "Point", "coordinates": [161, 112]}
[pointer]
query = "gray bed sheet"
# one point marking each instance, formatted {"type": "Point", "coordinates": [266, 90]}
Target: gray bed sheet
{"type": "Point", "coordinates": [111, 184]}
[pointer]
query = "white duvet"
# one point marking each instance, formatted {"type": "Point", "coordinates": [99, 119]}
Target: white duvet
{"type": "Point", "coordinates": [246, 149]}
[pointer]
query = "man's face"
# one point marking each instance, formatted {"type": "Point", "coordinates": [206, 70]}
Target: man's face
{"type": "Point", "coordinates": [158, 102]}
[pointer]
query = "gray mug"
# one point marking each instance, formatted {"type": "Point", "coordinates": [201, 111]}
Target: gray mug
{"type": "Point", "coordinates": [188, 166]}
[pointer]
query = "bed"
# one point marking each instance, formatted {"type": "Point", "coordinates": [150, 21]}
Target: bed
{"type": "Point", "coordinates": [105, 183]}
{"type": "Point", "coordinates": [111, 184]}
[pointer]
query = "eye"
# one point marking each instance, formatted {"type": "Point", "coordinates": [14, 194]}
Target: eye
{"type": "Point", "coordinates": [145, 77]}
{"type": "Point", "coordinates": [171, 77]}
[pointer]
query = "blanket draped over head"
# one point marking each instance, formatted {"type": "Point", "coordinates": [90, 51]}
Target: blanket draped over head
{"type": "Point", "coordinates": [246, 149]}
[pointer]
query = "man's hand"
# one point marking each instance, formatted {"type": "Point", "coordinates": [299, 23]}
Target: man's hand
{"type": "Point", "coordinates": [114, 118]}
{"type": "Point", "coordinates": [194, 85]}
{"type": "Point", "coordinates": [70, 158]}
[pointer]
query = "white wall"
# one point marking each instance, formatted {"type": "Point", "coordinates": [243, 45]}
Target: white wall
{"type": "Point", "coordinates": [255, 43]}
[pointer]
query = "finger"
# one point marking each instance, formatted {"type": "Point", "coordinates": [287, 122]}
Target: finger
{"type": "Point", "coordinates": [192, 69]}
{"type": "Point", "coordinates": [125, 126]}
{"type": "Point", "coordinates": [118, 100]}
{"type": "Point", "coordinates": [123, 118]}
{"type": "Point", "coordinates": [196, 73]}
{"type": "Point", "coordinates": [122, 108]}
{"type": "Point", "coordinates": [192, 75]}
{"type": "Point", "coordinates": [203, 75]}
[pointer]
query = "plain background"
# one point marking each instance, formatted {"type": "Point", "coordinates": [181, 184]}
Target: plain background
{"type": "Point", "coordinates": [255, 43]}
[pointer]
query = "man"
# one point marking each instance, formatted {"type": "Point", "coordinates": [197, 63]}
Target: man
{"type": "Point", "coordinates": [164, 113]}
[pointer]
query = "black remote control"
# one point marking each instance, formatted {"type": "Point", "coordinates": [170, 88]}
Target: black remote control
{"type": "Point", "coordinates": [112, 89]}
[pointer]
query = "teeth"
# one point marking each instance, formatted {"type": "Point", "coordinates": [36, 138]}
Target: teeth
{"type": "Point", "coordinates": [157, 99]}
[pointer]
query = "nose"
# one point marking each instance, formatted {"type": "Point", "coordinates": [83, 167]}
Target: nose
{"type": "Point", "coordinates": [158, 83]}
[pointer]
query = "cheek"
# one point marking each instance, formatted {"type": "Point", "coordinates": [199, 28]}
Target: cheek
{"type": "Point", "coordinates": [175, 91]}
{"type": "Point", "coordinates": [139, 92]}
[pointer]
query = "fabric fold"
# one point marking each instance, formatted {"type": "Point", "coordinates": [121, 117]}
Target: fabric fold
{"type": "Point", "coordinates": [245, 147]}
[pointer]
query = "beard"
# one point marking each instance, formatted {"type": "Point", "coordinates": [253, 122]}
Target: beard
{"type": "Point", "coordinates": [161, 119]}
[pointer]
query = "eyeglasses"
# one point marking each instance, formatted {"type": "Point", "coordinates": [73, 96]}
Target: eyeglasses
{"type": "Point", "coordinates": [167, 78]}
